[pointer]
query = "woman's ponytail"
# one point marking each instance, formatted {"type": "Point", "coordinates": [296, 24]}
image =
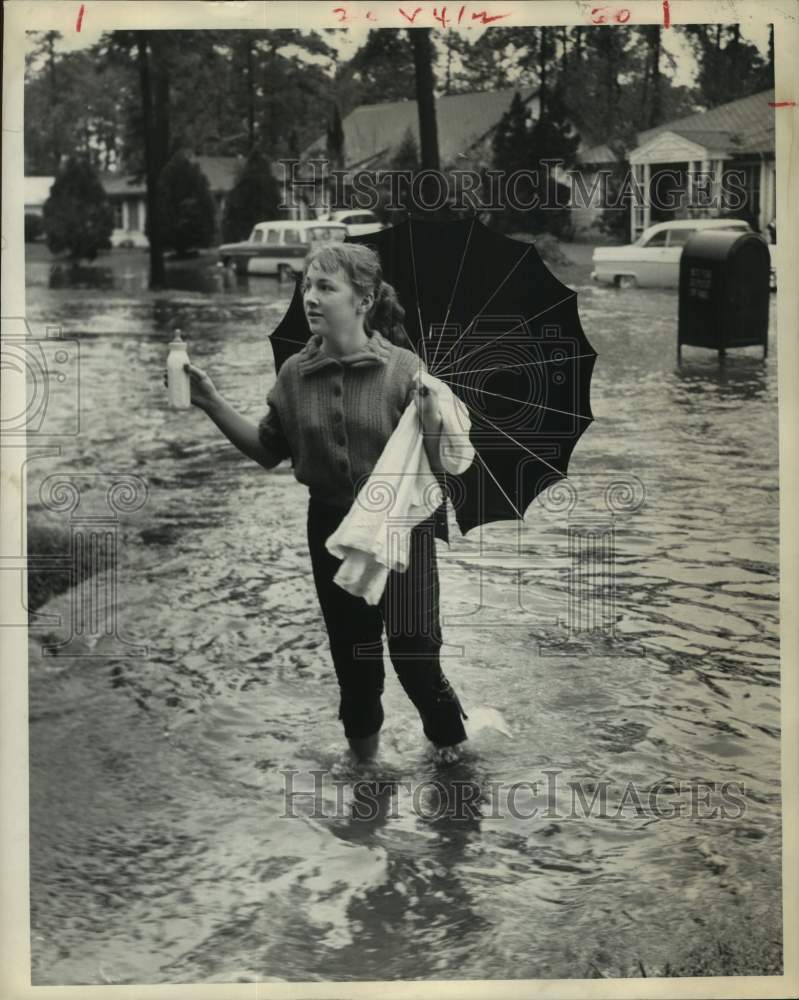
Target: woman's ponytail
{"type": "Point", "coordinates": [362, 265]}
{"type": "Point", "coordinates": [387, 316]}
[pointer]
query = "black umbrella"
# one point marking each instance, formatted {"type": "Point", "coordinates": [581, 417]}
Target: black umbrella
{"type": "Point", "coordinates": [491, 321]}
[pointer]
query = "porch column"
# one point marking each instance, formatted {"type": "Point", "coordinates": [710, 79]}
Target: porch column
{"type": "Point", "coordinates": [124, 226]}
{"type": "Point", "coordinates": [763, 218]}
{"type": "Point", "coordinates": [718, 170]}
{"type": "Point", "coordinates": [707, 188]}
{"type": "Point", "coordinates": [647, 200]}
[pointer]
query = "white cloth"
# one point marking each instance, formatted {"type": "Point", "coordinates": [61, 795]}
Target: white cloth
{"type": "Point", "coordinates": [374, 537]}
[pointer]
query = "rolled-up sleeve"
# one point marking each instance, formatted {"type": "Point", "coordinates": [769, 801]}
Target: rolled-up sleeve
{"type": "Point", "coordinates": [272, 437]}
{"type": "Point", "coordinates": [456, 451]}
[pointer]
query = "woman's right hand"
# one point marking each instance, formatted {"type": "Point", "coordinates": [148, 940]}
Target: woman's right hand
{"type": "Point", "coordinates": [203, 390]}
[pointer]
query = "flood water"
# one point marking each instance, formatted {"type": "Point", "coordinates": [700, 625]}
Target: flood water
{"type": "Point", "coordinates": [160, 846]}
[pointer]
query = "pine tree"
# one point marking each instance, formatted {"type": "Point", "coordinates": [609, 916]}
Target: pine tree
{"type": "Point", "coordinates": [511, 153]}
{"type": "Point", "coordinates": [255, 197]}
{"type": "Point", "coordinates": [77, 217]}
{"type": "Point", "coordinates": [186, 209]}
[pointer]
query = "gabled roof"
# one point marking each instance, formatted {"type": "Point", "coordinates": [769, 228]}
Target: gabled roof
{"type": "Point", "coordinates": [372, 132]}
{"type": "Point", "coordinates": [36, 190]}
{"type": "Point", "coordinates": [220, 171]}
{"type": "Point", "coordinates": [122, 184]}
{"type": "Point", "coordinates": [742, 126]}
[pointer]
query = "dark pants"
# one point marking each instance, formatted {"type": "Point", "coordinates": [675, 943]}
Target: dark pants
{"type": "Point", "coordinates": [409, 611]}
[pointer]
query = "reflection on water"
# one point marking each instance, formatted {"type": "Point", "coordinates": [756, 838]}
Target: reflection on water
{"type": "Point", "coordinates": [162, 849]}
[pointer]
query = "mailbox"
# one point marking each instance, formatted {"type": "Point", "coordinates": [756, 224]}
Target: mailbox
{"type": "Point", "coordinates": [724, 291]}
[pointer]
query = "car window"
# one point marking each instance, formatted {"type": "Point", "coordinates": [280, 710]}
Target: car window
{"type": "Point", "coordinates": [365, 217]}
{"type": "Point", "coordinates": [291, 236]}
{"type": "Point", "coordinates": [658, 240]}
{"type": "Point", "coordinates": [272, 236]}
{"type": "Point", "coordinates": [679, 237]}
{"type": "Point", "coordinates": [257, 236]}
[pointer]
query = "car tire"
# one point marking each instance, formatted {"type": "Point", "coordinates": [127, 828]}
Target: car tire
{"type": "Point", "coordinates": [626, 281]}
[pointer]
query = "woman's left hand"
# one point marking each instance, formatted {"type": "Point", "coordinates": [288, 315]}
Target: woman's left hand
{"type": "Point", "coordinates": [428, 404]}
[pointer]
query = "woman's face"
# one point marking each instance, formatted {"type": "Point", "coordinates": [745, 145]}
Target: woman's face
{"type": "Point", "coordinates": [331, 305]}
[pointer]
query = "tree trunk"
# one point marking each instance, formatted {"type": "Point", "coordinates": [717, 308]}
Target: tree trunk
{"type": "Point", "coordinates": [771, 54]}
{"type": "Point", "coordinates": [425, 99]}
{"type": "Point", "coordinates": [543, 56]}
{"type": "Point", "coordinates": [564, 49]}
{"type": "Point", "coordinates": [54, 116]}
{"type": "Point", "coordinates": [655, 107]}
{"type": "Point", "coordinates": [151, 160]}
{"type": "Point", "coordinates": [250, 98]}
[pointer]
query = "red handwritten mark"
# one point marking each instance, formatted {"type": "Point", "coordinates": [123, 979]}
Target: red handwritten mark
{"type": "Point", "coordinates": [79, 22]}
{"type": "Point", "coordinates": [342, 11]}
{"type": "Point", "coordinates": [782, 104]}
{"type": "Point", "coordinates": [666, 14]}
{"type": "Point", "coordinates": [460, 14]}
{"type": "Point", "coordinates": [599, 15]}
{"type": "Point", "coordinates": [410, 17]}
{"type": "Point", "coordinates": [370, 15]}
{"type": "Point", "coordinates": [442, 17]}
{"type": "Point", "coordinates": [485, 18]}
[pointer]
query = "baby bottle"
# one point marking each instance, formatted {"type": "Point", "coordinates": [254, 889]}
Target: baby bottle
{"type": "Point", "coordinates": [177, 378]}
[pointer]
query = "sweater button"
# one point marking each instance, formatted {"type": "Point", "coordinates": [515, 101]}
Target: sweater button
{"type": "Point", "coordinates": [344, 465]}
{"type": "Point", "coordinates": [338, 416]}
{"type": "Point", "coordinates": [340, 440]}
{"type": "Point", "coordinates": [336, 389]}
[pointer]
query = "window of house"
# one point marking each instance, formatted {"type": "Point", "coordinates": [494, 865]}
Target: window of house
{"type": "Point", "coordinates": [117, 208]}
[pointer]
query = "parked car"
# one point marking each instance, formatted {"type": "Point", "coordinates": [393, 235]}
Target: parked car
{"type": "Point", "coordinates": [654, 259]}
{"type": "Point", "coordinates": [358, 222]}
{"type": "Point", "coordinates": [279, 247]}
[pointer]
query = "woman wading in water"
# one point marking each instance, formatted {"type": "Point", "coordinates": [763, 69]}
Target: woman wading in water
{"type": "Point", "coordinates": [332, 409]}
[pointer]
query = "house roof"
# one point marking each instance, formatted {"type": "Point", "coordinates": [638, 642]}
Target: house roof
{"type": "Point", "coordinates": [373, 131]}
{"type": "Point", "coordinates": [36, 191]}
{"type": "Point", "coordinates": [742, 126]}
{"type": "Point", "coordinates": [596, 154]}
{"type": "Point", "coordinates": [220, 172]}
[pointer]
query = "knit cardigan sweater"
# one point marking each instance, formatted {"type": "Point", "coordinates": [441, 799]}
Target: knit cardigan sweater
{"type": "Point", "coordinates": [332, 416]}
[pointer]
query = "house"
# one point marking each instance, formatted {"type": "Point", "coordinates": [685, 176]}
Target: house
{"type": "Point", "coordinates": [374, 133]}
{"type": "Point", "coordinates": [128, 197]}
{"type": "Point", "coordinates": [35, 192]}
{"type": "Point", "coordinates": [737, 136]}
